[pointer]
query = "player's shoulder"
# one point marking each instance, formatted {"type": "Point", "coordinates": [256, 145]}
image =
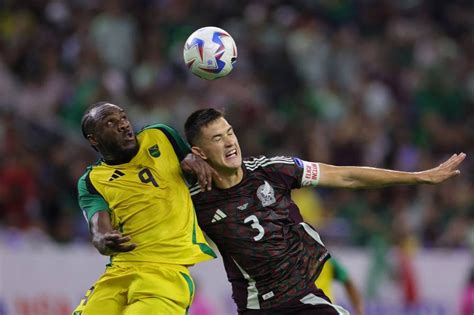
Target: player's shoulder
{"type": "Point", "coordinates": [91, 168]}
{"type": "Point", "coordinates": [84, 177]}
{"type": "Point", "coordinates": [158, 126]}
{"type": "Point", "coordinates": [84, 183]}
{"type": "Point", "coordinates": [261, 162]}
{"type": "Point", "coordinates": [162, 132]}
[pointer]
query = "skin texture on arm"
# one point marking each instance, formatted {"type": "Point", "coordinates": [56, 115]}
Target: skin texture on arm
{"type": "Point", "coordinates": [370, 177]}
{"type": "Point", "coordinates": [105, 238]}
{"type": "Point", "coordinates": [204, 173]}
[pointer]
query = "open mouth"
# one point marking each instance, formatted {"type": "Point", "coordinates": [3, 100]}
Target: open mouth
{"type": "Point", "coordinates": [231, 154]}
{"type": "Point", "coordinates": [129, 135]}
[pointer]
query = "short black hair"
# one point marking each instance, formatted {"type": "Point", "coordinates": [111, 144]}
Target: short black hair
{"type": "Point", "coordinates": [87, 121]}
{"type": "Point", "coordinates": [199, 119]}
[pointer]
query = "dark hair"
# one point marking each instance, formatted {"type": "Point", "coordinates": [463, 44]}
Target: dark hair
{"type": "Point", "coordinates": [87, 121]}
{"type": "Point", "coordinates": [199, 119]}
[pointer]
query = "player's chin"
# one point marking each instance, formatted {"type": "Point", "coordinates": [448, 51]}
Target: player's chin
{"type": "Point", "coordinates": [129, 145]}
{"type": "Point", "coordinates": [233, 162]}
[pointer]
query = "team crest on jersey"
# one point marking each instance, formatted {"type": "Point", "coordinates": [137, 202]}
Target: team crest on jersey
{"type": "Point", "coordinates": [266, 194]}
{"type": "Point", "coordinates": [154, 151]}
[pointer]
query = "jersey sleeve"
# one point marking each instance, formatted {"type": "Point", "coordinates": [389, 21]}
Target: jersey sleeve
{"type": "Point", "coordinates": [340, 273]}
{"type": "Point", "coordinates": [90, 201]}
{"type": "Point", "coordinates": [282, 169]}
{"type": "Point", "coordinates": [180, 146]}
{"type": "Point", "coordinates": [310, 174]}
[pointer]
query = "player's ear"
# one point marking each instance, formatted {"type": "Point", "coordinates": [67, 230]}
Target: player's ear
{"type": "Point", "coordinates": [92, 140]}
{"type": "Point", "coordinates": [199, 152]}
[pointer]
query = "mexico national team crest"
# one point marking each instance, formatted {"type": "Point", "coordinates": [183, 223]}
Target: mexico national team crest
{"type": "Point", "coordinates": [266, 194]}
{"type": "Point", "coordinates": [154, 151]}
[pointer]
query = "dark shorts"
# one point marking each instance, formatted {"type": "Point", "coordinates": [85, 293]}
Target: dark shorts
{"type": "Point", "coordinates": [312, 302]}
{"type": "Point", "coordinates": [315, 310]}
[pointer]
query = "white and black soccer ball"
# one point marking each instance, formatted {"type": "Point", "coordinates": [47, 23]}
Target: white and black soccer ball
{"type": "Point", "coordinates": [210, 53]}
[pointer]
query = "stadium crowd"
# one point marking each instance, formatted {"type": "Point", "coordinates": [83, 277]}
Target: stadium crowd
{"type": "Point", "coordinates": [380, 83]}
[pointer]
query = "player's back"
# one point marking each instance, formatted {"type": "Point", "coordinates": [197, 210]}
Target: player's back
{"type": "Point", "coordinates": [266, 248]}
{"type": "Point", "coordinates": [149, 201]}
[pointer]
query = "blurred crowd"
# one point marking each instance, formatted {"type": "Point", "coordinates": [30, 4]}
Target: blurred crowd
{"type": "Point", "coordinates": [368, 82]}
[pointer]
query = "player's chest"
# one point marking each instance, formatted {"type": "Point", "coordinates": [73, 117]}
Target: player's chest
{"type": "Point", "coordinates": [261, 200]}
{"type": "Point", "coordinates": [146, 175]}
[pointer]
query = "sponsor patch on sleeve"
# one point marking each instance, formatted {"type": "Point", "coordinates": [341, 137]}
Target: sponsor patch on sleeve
{"type": "Point", "coordinates": [298, 162]}
{"type": "Point", "coordinates": [311, 173]}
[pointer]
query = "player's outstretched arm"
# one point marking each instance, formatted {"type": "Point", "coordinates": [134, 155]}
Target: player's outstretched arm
{"type": "Point", "coordinates": [370, 177]}
{"type": "Point", "coordinates": [107, 240]}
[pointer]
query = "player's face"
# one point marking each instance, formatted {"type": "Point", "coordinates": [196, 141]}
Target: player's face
{"type": "Point", "coordinates": [114, 135]}
{"type": "Point", "coordinates": [219, 145]}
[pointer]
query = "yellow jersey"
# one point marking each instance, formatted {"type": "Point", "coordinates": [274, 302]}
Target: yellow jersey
{"type": "Point", "coordinates": [332, 271]}
{"type": "Point", "coordinates": [148, 200]}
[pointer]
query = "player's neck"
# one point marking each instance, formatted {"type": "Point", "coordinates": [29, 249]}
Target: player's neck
{"type": "Point", "coordinates": [125, 156]}
{"type": "Point", "coordinates": [229, 179]}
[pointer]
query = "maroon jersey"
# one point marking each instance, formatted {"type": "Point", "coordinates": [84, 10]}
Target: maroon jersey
{"type": "Point", "coordinates": [271, 256]}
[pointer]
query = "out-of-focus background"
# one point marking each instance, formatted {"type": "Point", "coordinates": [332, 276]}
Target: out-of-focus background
{"type": "Point", "coordinates": [369, 82]}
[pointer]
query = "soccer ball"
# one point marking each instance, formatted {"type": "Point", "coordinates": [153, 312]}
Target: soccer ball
{"type": "Point", "coordinates": [210, 53]}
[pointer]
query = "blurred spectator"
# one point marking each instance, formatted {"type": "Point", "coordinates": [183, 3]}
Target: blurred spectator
{"type": "Point", "coordinates": [113, 33]}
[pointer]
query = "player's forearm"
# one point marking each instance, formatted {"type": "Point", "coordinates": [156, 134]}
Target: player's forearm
{"type": "Point", "coordinates": [100, 225]}
{"type": "Point", "coordinates": [368, 177]}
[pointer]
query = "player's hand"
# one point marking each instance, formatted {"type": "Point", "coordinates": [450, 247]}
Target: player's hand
{"type": "Point", "coordinates": [115, 242]}
{"type": "Point", "coordinates": [444, 171]}
{"type": "Point", "coordinates": [204, 173]}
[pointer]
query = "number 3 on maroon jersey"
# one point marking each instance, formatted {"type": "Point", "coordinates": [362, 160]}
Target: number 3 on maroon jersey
{"type": "Point", "coordinates": [255, 225]}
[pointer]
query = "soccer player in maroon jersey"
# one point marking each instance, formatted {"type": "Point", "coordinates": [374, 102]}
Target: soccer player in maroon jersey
{"type": "Point", "coordinates": [272, 258]}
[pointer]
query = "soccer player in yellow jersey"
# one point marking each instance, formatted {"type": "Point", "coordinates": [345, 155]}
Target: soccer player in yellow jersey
{"type": "Point", "coordinates": [140, 214]}
{"type": "Point", "coordinates": [334, 271]}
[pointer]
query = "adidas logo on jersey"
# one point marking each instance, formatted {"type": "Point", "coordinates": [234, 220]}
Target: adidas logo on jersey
{"type": "Point", "coordinates": [116, 175]}
{"type": "Point", "coordinates": [218, 215]}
